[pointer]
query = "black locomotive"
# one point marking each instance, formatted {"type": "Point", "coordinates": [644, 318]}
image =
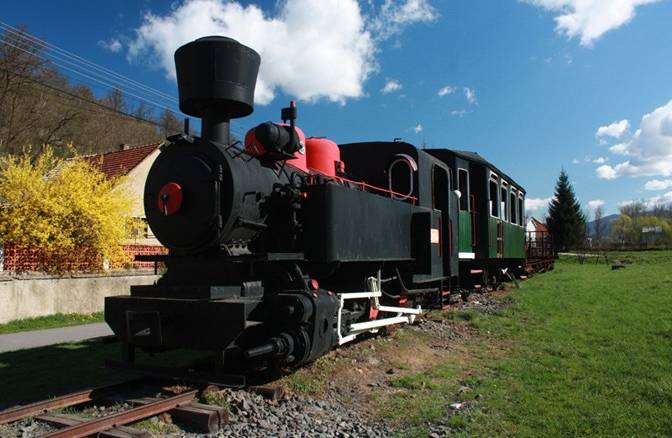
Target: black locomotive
{"type": "Point", "coordinates": [283, 247]}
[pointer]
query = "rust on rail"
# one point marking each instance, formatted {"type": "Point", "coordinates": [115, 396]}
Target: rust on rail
{"type": "Point", "coordinates": [122, 418]}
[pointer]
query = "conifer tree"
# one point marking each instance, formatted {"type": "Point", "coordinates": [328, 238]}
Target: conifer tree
{"type": "Point", "coordinates": [565, 221]}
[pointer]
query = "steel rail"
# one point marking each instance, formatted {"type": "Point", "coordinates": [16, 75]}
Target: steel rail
{"type": "Point", "coordinates": [72, 399]}
{"type": "Point", "coordinates": [122, 418]}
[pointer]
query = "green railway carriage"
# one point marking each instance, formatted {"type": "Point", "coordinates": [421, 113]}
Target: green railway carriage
{"type": "Point", "coordinates": [491, 216]}
{"type": "Point", "coordinates": [460, 171]}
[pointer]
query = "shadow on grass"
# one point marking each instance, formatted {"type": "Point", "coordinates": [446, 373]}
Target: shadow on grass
{"type": "Point", "coordinates": [40, 373]}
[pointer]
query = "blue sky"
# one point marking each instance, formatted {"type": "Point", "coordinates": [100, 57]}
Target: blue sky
{"type": "Point", "coordinates": [527, 84]}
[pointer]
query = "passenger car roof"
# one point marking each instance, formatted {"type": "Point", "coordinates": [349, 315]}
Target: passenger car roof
{"type": "Point", "coordinates": [477, 158]}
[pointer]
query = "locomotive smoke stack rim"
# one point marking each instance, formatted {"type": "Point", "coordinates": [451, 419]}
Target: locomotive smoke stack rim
{"type": "Point", "coordinates": [216, 78]}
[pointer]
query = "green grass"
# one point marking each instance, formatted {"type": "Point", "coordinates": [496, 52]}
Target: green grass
{"type": "Point", "coordinates": [47, 322]}
{"type": "Point", "coordinates": [583, 351]}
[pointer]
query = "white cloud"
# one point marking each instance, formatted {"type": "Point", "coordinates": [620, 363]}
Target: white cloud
{"type": "Point", "coordinates": [590, 19]}
{"type": "Point", "coordinates": [651, 202]}
{"type": "Point", "coordinates": [310, 49]}
{"type": "Point", "coordinates": [418, 128]}
{"type": "Point", "coordinates": [535, 204]}
{"type": "Point", "coordinates": [595, 203]}
{"type": "Point", "coordinates": [394, 16]}
{"type": "Point", "coordinates": [459, 113]}
{"type": "Point", "coordinates": [444, 91]}
{"type": "Point", "coordinates": [470, 94]}
{"type": "Point", "coordinates": [391, 86]}
{"type": "Point", "coordinates": [575, 161]}
{"type": "Point", "coordinates": [113, 45]}
{"type": "Point", "coordinates": [657, 184]}
{"type": "Point", "coordinates": [605, 172]}
{"type": "Point", "coordinates": [619, 149]}
{"type": "Point", "coordinates": [600, 160]}
{"type": "Point", "coordinates": [649, 149]}
{"type": "Point", "coordinates": [615, 130]}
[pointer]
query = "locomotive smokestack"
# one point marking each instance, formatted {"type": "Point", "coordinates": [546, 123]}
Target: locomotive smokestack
{"type": "Point", "coordinates": [216, 77]}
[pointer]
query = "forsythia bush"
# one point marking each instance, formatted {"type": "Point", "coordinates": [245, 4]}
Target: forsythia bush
{"type": "Point", "coordinates": [66, 209]}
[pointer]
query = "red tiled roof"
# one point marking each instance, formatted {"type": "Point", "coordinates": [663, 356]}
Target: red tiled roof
{"type": "Point", "coordinates": [119, 163]}
{"type": "Point", "coordinates": [539, 226]}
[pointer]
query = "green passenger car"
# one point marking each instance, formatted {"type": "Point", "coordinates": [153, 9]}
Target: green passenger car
{"type": "Point", "coordinates": [491, 217]}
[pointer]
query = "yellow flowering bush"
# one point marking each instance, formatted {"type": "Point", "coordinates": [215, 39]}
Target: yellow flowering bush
{"type": "Point", "coordinates": [67, 210]}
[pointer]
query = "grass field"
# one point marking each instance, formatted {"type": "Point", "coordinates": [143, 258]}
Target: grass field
{"type": "Point", "coordinates": [47, 322]}
{"type": "Point", "coordinates": [583, 351]}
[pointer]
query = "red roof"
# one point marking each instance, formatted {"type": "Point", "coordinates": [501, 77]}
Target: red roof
{"type": "Point", "coordinates": [119, 163]}
{"type": "Point", "coordinates": [539, 226]}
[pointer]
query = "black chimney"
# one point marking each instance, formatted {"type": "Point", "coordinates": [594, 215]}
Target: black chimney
{"type": "Point", "coordinates": [216, 77]}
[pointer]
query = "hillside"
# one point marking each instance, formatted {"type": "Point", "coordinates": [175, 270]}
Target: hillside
{"type": "Point", "coordinates": [590, 226]}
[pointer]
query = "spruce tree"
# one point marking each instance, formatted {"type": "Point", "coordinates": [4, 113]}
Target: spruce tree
{"type": "Point", "coordinates": [565, 221]}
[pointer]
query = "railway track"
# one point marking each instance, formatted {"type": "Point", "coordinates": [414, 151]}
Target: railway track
{"type": "Point", "coordinates": [177, 401]}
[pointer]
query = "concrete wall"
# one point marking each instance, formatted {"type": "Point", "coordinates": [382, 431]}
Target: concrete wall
{"type": "Point", "coordinates": [41, 295]}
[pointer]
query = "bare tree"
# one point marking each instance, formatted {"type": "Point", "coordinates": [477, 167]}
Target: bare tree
{"type": "Point", "coordinates": [169, 124]}
{"type": "Point", "coordinates": [634, 210]}
{"type": "Point", "coordinates": [39, 105]}
{"type": "Point", "coordinates": [598, 226]}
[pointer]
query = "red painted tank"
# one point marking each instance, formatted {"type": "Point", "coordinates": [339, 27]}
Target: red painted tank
{"type": "Point", "coordinates": [254, 147]}
{"type": "Point", "coordinates": [323, 155]}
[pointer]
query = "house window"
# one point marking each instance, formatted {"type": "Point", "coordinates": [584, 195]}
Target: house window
{"type": "Point", "coordinates": [463, 187]}
{"type": "Point", "coordinates": [514, 207]}
{"type": "Point", "coordinates": [494, 198]}
{"type": "Point", "coordinates": [504, 199]}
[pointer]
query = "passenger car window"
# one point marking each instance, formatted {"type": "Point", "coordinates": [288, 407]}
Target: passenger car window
{"type": "Point", "coordinates": [504, 210]}
{"type": "Point", "coordinates": [494, 198]}
{"type": "Point", "coordinates": [463, 187]}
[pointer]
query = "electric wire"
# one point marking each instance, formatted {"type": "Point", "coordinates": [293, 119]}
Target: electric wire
{"type": "Point", "coordinates": [83, 99]}
{"type": "Point", "coordinates": [91, 71]}
{"type": "Point", "coordinates": [50, 46]}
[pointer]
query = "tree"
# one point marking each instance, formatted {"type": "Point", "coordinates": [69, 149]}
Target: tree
{"type": "Point", "coordinates": [634, 210]}
{"type": "Point", "coordinates": [116, 100]}
{"type": "Point", "coordinates": [622, 229]}
{"type": "Point", "coordinates": [565, 221]}
{"type": "Point", "coordinates": [40, 105]}
{"type": "Point", "coordinates": [169, 124]}
{"type": "Point", "coordinates": [598, 225]}
{"type": "Point", "coordinates": [65, 209]}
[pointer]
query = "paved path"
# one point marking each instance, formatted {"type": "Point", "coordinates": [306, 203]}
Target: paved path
{"type": "Point", "coordinates": [42, 338]}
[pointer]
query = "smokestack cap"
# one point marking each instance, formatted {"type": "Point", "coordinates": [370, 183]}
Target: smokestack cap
{"type": "Point", "coordinates": [216, 73]}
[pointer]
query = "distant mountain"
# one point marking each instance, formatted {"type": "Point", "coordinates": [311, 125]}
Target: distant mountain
{"type": "Point", "coordinates": [606, 220]}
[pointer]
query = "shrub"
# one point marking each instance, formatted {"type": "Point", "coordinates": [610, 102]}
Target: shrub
{"type": "Point", "coordinates": [66, 209]}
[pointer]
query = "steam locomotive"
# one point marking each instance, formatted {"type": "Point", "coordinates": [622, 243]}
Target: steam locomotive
{"type": "Point", "coordinates": [285, 246]}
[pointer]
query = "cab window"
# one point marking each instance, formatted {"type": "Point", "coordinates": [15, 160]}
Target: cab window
{"type": "Point", "coordinates": [400, 173]}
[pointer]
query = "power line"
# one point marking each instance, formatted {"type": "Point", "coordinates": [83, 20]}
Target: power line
{"type": "Point", "coordinates": [113, 84]}
{"type": "Point", "coordinates": [49, 46]}
{"type": "Point", "coordinates": [83, 99]}
{"type": "Point", "coordinates": [86, 63]}
{"type": "Point", "coordinates": [90, 68]}
{"type": "Point", "coordinates": [102, 82]}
